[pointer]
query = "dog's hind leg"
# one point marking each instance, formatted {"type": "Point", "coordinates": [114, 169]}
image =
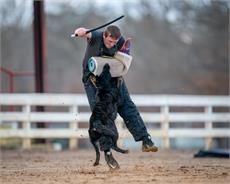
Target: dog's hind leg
{"type": "Point", "coordinates": [110, 160]}
{"type": "Point", "coordinates": [94, 139]}
{"type": "Point", "coordinates": [115, 138]}
{"type": "Point", "coordinates": [97, 153]}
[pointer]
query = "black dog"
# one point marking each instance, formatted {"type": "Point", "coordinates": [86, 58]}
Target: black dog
{"type": "Point", "coordinates": [102, 121]}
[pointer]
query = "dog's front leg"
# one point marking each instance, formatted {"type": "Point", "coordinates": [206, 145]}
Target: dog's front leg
{"type": "Point", "coordinates": [102, 129]}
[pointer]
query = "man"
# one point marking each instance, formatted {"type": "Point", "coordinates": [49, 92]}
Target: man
{"type": "Point", "coordinates": [108, 43]}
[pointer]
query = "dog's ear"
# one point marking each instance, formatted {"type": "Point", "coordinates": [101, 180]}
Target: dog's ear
{"type": "Point", "coordinates": [106, 67]}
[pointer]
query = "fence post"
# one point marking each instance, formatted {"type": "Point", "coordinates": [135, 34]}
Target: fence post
{"type": "Point", "coordinates": [73, 126]}
{"type": "Point", "coordinates": [208, 126]}
{"type": "Point", "coordinates": [26, 142]}
{"type": "Point", "coordinates": [165, 126]}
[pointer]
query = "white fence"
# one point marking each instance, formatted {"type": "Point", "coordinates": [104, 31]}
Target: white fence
{"type": "Point", "coordinates": [163, 115]}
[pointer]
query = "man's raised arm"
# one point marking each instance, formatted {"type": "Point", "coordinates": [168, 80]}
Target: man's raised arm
{"type": "Point", "coordinates": [81, 32]}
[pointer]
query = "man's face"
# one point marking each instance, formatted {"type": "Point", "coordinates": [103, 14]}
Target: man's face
{"type": "Point", "coordinates": [109, 42]}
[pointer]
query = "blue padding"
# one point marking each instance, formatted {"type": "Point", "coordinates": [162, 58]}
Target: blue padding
{"type": "Point", "coordinates": [91, 65]}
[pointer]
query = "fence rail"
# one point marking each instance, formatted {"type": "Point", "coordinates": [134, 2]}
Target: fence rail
{"type": "Point", "coordinates": [165, 116]}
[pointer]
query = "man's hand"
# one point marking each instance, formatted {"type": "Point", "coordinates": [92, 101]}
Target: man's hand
{"type": "Point", "coordinates": [81, 32]}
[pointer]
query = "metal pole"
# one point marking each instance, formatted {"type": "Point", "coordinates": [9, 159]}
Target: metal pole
{"type": "Point", "coordinates": [40, 47]}
{"type": "Point", "coordinates": [40, 53]}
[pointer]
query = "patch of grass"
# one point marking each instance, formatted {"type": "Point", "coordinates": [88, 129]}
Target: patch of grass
{"type": "Point", "coordinates": [9, 143]}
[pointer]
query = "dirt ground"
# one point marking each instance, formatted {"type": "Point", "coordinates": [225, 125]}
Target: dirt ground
{"type": "Point", "coordinates": [165, 166]}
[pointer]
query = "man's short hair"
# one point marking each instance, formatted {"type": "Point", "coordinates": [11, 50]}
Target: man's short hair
{"type": "Point", "coordinates": [113, 32]}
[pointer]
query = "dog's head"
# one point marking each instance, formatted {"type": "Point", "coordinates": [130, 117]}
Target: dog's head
{"type": "Point", "coordinates": [107, 86]}
{"type": "Point", "coordinates": [104, 79]}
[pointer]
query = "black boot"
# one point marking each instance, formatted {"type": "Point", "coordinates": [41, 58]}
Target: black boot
{"type": "Point", "coordinates": [148, 145]}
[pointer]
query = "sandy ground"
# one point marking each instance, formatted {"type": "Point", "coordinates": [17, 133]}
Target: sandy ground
{"type": "Point", "coordinates": [166, 166]}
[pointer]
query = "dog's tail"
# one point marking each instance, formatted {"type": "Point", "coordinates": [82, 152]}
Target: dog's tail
{"type": "Point", "coordinates": [116, 148]}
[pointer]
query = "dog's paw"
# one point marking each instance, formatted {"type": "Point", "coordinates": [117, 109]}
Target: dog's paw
{"type": "Point", "coordinates": [96, 163]}
{"type": "Point", "coordinates": [112, 163]}
{"type": "Point", "coordinates": [98, 130]}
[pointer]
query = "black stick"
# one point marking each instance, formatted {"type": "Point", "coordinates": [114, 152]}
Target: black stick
{"type": "Point", "coordinates": [99, 27]}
